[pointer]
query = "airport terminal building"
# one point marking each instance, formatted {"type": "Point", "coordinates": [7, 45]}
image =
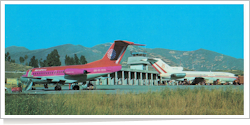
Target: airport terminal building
{"type": "Point", "coordinates": [136, 74]}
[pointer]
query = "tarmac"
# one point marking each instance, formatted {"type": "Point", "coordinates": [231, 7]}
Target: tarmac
{"type": "Point", "coordinates": [119, 89]}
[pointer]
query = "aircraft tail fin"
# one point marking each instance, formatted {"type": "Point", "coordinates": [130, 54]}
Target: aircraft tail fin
{"type": "Point", "coordinates": [158, 64]}
{"type": "Point", "coordinates": [117, 50]}
{"type": "Point", "coordinates": [162, 67]}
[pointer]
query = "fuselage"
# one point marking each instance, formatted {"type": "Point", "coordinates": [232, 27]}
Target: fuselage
{"type": "Point", "coordinates": [60, 73]}
{"type": "Point", "coordinates": [190, 75]}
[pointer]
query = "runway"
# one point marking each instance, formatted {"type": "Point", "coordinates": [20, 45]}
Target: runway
{"type": "Point", "coordinates": [119, 89]}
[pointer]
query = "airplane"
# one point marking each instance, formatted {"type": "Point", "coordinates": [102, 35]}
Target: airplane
{"type": "Point", "coordinates": [61, 75]}
{"type": "Point", "coordinates": [177, 73]}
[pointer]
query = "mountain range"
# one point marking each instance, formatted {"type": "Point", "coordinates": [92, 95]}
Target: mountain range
{"type": "Point", "coordinates": [200, 59]}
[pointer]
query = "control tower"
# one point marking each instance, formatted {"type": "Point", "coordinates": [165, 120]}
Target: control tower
{"type": "Point", "coordinates": [136, 74]}
{"type": "Point", "coordinates": [135, 62]}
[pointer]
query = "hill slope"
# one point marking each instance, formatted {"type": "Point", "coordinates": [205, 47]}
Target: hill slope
{"type": "Point", "coordinates": [200, 59]}
{"type": "Point", "coordinates": [16, 67]}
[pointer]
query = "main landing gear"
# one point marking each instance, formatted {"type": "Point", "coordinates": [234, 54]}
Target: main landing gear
{"type": "Point", "coordinates": [89, 86]}
{"type": "Point", "coordinates": [57, 87]}
{"type": "Point", "coordinates": [85, 86]}
{"type": "Point", "coordinates": [76, 87]}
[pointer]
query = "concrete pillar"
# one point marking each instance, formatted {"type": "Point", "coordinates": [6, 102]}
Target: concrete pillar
{"type": "Point", "coordinates": [129, 78]}
{"type": "Point", "coordinates": [151, 81]}
{"type": "Point", "coordinates": [119, 81]}
{"type": "Point", "coordinates": [104, 82]}
{"type": "Point", "coordinates": [101, 82]}
{"type": "Point", "coordinates": [156, 79]}
{"type": "Point", "coordinates": [146, 80]}
{"type": "Point", "coordinates": [109, 79]}
{"type": "Point", "coordinates": [135, 79]}
{"type": "Point", "coordinates": [160, 80]}
{"type": "Point", "coordinates": [141, 83]}
{"type": "Point", "coordinates": [116, 79]}
{"type": "Point", "coordinates": [126, 82]}
{"type": "Point", "coordinates": [97, 82]}
{"type": "Point", "coordinates": [112, 81]}
{"type": "Point", "coordinates": [123, 83]}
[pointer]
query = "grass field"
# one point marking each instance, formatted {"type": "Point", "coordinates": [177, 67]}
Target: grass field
{"type": "Point", "coordinates": [198, 101]}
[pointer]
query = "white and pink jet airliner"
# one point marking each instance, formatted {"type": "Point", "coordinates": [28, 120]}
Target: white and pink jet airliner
{"type": "Point", "coordinates": [61, 75]}
{"type": "Point", "coordinates": [177, 73]}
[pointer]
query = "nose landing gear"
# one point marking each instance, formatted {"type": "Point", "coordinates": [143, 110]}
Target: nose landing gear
{"type": "Point", "coordinates": [46, 86]}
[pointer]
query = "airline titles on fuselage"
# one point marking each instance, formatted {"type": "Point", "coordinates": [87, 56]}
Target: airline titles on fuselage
{"type": "Point", "coordinates": [40, 69]}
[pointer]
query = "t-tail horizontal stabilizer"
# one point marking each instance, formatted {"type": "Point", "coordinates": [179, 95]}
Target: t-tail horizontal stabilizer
{"type": "Point", "coordinates": [152, 60]}
{"type": "Point", "coordinates": [117, 50]}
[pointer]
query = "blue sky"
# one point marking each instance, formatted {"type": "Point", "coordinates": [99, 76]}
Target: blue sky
{"type": "Point", "coordinates": [217, 28]}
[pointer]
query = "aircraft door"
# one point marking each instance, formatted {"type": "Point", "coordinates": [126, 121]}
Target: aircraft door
{"type": "Point", "coordinates": [55, 72]}
{"type": "Point", "coordinates": [30, 73]}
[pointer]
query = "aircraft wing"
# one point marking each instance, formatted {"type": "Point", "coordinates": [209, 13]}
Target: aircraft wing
{"type": "Point", "coordinates": [44, 79]}
{"type": "Point", "coordinates": [51, 80]}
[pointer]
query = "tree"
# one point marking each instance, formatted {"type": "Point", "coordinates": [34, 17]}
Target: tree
{"type": "Point", "coordinates": [67, 60]}
{"type": "Point", "coordinates": [13, 61]}
{"type": "Point", "coordinates": [25, 58]}
{"type": "Point", "coordinates": [77, 61]}
{"type": "Point", "coordinates": [42, 63]}
{"type": "Point", "coordinates": [71, 61]}
{"type": "Point", "coordinates": [21, 59]}
{"type": "Point", "coordinates": [33, 62]}
{"type": "Point", "coordinates": [9, 59]}
{"type": "Point", "coordinates": [53, 59]}
{"type": "Point", "coordinates": [83, 60]}
{"type": "Point", "coordinates": [7, 56]}
{"type": "Point", "coordinates": [45, 64]}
